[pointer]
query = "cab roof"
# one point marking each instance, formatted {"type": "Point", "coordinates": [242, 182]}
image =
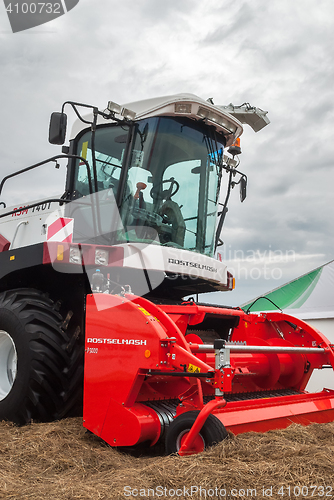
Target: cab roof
{"type": "Point", "coordinates": [178, 105]}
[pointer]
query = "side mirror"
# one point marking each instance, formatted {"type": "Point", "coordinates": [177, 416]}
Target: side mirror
{"type": "Point", "coordinates": [243, 188]}
{"type": "Point", "coordinates": [57, 130]}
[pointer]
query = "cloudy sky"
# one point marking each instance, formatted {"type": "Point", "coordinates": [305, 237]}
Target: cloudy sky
{"type": "Point", "coordinates": [277, 55]}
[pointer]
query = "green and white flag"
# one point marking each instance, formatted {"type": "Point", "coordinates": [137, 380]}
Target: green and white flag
{"type": "Point", "coordinates": [310, 296]}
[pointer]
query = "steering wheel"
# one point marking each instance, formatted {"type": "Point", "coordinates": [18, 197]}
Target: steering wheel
{"type": "Point", "coordinates": [151, 218]}
{"type": "Point", "coordinates": [157, 193]}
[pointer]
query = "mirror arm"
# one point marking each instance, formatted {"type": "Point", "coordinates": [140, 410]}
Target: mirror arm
{"type": "Point", "coordinates": [224, 211]}
{"type": "Point", "coordinates": [73, 105]}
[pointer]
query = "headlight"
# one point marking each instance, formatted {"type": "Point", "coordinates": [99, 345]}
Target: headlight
{"type": "Point", "coordinates": [75, 255]}
{"type": "Point", "coordinates": [183, 108]}
{"type": "Point", "coordinates": [101, 257]}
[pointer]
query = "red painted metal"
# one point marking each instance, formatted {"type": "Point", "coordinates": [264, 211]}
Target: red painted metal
{"type": "Point", "coordinates": [140, 355]}
{"type": "Point", "coordinates": [261, 415]}
{"type": "Point", "coordinates": [4, 244]}
{"type": "Point", "coordinates": [188, 444]}
{"type": "Point", "coordinates": [197, 444]}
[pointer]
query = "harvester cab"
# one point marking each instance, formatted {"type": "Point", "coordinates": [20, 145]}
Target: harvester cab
{"type": "Point", "coordinates": [160, 166]}
{"type": "Point", "coordinates": [93, 282]}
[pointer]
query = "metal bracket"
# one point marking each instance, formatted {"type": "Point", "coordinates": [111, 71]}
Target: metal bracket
{"type": "Point", "coordinates": [223, 376]}
{"type": "Point", "coordinates": [245, 113]}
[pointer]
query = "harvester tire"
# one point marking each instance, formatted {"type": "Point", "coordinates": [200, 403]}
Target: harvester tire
{"type": "Point", "coordinates": [212, 432]}
{"type": "Point", "coordinates": [41, 361]}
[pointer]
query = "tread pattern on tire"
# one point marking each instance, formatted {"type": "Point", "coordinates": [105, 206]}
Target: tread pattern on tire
{"type": "Point", "coordinates": [54, 373]}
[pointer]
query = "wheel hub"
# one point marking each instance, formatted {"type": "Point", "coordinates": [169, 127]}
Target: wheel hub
{"type": "Point", "coordinates": [8, 364]}
{"type": "Point", "coordinates": [197, 447]}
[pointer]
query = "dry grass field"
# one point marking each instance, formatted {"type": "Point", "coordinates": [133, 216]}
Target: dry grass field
{"type": "Point", "coordinates": [58, 461]}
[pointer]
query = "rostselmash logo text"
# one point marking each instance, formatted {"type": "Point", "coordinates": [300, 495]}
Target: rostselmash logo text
{"type": "Point", "coordinates": [196, 265]}
{"type": "Point", "coordinates": [94, 340]}
{"type": "Point", "coordinates": [27, 14]}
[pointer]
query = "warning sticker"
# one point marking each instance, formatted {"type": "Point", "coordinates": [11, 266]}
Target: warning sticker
{"type": "Point", "coordinates": [61, 230]}
{"type": "Point", "coordinates": [144, 311]}
{"type": "Point", "coordinates": [193, 368]}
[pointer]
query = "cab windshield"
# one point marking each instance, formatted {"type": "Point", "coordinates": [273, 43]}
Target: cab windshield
{"type": "Point", "coordinates": [167, 188]}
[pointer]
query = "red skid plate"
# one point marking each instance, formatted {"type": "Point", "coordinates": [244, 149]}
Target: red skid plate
{"type": "Point", "coordinates": [261, 415]}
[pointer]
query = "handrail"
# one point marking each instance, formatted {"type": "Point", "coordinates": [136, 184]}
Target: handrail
{"type": "Point", "coordinates": [23, 222]}
{"type": "Point", "coordinates": [54, 158]}
{"type": "Point", "coordinates": [59, 200]}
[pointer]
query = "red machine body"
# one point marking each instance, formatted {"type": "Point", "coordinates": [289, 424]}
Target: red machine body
{"type": "Point", "coordinates": [146, 364]}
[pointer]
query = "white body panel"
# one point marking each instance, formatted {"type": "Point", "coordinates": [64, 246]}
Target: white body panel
{"type": "Point", "coordinates": [174, 260]}
{"type": "Point", "coordinates": [29, 226]}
